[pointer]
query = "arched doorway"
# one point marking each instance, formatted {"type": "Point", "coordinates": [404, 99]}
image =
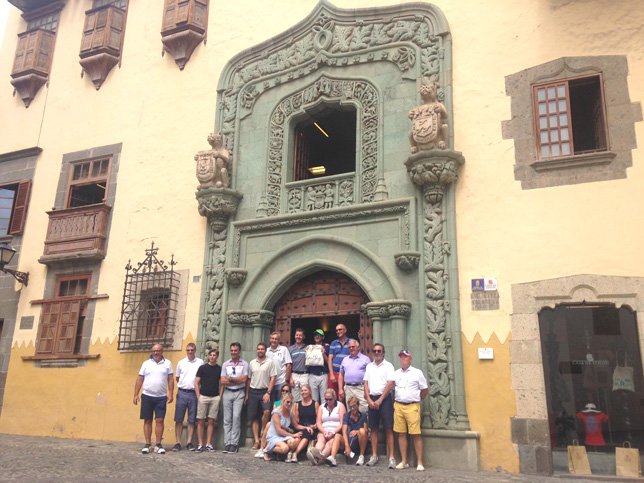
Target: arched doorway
{"type": "Point", "coordinates": [321, 301]}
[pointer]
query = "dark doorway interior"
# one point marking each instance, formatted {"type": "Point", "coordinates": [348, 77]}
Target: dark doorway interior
{"type": "Point", "coordinates": [327, 324]}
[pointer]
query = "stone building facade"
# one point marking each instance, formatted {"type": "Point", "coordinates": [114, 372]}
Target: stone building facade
{"type": "Point", "coordinates": [468, 212]}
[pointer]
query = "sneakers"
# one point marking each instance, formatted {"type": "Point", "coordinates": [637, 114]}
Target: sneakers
{"type": "Point", "coordinates": [420, 468]}
{"type": "Point", "coordinates": [199, 449]}
{"type": "Point", "coordinates": [176, 447]}
{"type": "Point", "coordinates": [392, 463]}
{"type": "Point", "coordinates": [259, 454]}
{"type": "Point", "coordinates": [189, 447]}
{"type": "Point", "coordinates": [159, 449]}
{"type": "Point", "coordinates": [210, 448]}
{"type": "Point", "coordinates": [226, 449]}
{"type": "Point", "coordinates": [402, 466]}
{"type": "Point", "coordinates": [146, 449]}
{"type": "Point", "coordinates": [373, 461]}
{"type": "Point", "coordinates": [331, 460]}
{"type": "Point", "coordinates": [289, 457]}
{"type": "Point", "coordinates": [311, 458]}
{"type": "Point", "coordinates": [233, 449]}
{"type": "Point", "coordinates": [318, 454]}
{"type": "Point", "coordinates": [360, 461]}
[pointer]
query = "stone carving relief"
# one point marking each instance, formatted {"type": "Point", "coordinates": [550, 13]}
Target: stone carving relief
{"type": "Point", "coordinates": [401, 209]}
{"type": "Point", "coordinates": [365, 97]}
{"type": "Point", "coordinates": [215, 274]}
{"type": "Point", "coordinates": [236, 276]}
{"type": "Point", "coordinates": [429, 129]}
{"type": "Point", "coordinates": [260, 318]}
{"type": "Point", "coordinates": [434, 250]}
{"type": "Point", "coordinates": [411, 37]}
{"type": "Point", "coordinates": [407, 261]}
{"type": "Point", "coordinates": [212, 165]}
{"type": "Point", "coordinates": [433, 170]}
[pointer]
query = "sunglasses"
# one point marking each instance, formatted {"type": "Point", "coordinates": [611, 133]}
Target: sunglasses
{"type": "Point", "coordinates": [377, 351]}
{"type": "Point", "coordinates": [328, 399]}
{"type": "Point", "coordinates": [286, 390]}
{"type": "Point", "coordinates": [288, 402]}
{"type": "Point", "coordinates": [353, 406]}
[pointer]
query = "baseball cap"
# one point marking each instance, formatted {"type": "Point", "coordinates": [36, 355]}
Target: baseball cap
{"type": "Point", "coordinates": [319, 332]}
{"type": "Point", "coordinates": [404, 353]}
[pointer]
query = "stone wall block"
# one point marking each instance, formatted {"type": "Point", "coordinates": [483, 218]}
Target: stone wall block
{"type": "Point", "coordinates": [524, 327]}
{"type": "Point", "coordinates": [527, 376]}
{"type": "Point", "coordinates": [525, 351]}
{"type": "Point", "coordinates": [531, 403]}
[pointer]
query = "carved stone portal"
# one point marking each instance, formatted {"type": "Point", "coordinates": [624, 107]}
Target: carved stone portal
{"type": "Point", "coordinates": [429, 129]}
{"type": "Point", "coordinates": [212, 165]}
{"type": "Point", "coordinates": [407, 261]}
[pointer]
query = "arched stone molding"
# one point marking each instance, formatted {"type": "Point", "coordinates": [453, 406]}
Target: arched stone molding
{"type": "Point", "coordinates": [361, 188]}
{"type": "Point", "coordinates": [291, 263]}
{"type": "Point", "coordinates": [530, 430]}
{"type": "Point", "coordinates": [414, 37]}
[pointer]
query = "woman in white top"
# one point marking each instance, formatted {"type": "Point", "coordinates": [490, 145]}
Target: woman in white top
{"type": "Point", "coordinates": [329, 425]}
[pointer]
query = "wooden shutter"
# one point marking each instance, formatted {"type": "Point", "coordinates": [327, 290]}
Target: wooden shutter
{"type": "Point", "coordinates": [170, 14]}
{"type": "Point", "coordinates": [48, 324]}
{"type": "Point", "coordinates": [67, 326]}
{"type": "Point", "coordinates": [34, 51]}
{"type": "Point", "coordinates": [103, 29]}
{"type": "Point", "coordinates": [20, 207]}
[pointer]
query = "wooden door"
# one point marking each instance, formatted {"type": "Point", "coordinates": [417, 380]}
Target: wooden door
{"type": "Point", "coordinates": [324, 294]}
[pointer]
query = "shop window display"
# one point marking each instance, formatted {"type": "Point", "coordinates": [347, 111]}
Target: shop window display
{"type": "Point", "coordinates": [593, 376]}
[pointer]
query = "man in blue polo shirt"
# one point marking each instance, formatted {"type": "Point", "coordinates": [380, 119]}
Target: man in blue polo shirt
{"type": "Point", "coordinates": [155, 377]}
{"type": "Point", "coordinates": [338, 351]}
{"type": "Point", "coordinates": [352, 371]}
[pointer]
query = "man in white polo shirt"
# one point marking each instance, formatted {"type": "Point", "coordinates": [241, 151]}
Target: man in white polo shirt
{"type": "Point", "coordinates": [378, 384]}
{"type": "Point", "coordinates": [186, 396]}
{"type": "Point", "coordinates": [155, 377]}
{"type": "Point", "coordinates": [283, 362]}
{"type": "Point", "coordinates": [411, 389]}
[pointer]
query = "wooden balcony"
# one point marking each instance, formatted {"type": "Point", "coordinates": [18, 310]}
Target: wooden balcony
{"type": "Point", "coordinates": [76, 234]}
{"type": "Point", "coordinates": [184, 27]}
{"type": "Point", "coordinates": [32, 62]}
{"type": "Point", "coordinates": [102, 40]}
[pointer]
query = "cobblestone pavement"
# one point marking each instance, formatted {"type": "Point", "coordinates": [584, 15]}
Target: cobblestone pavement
{"type": "Point", "coordinates": [30, 458]}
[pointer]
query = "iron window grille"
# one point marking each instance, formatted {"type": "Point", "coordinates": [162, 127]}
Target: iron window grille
{"type": "Point", "coordinates": [149, 309]}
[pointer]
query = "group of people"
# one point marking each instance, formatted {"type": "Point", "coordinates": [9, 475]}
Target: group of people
{"type": "Point", "coordinates": [294, 399]}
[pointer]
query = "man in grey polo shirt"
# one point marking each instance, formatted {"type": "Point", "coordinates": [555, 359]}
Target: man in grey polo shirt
{"type": "Point", "coordinates": [299, 375]}
{"type": "Point", "coordinates": [352, 371]}
{"type": "Point", "coordinates": [260, 382]}
{"type": "Point", "coordinates": [234, 373]}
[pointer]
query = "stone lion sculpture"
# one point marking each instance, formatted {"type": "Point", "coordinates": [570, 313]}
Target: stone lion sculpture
{"type": "Point", "coordinates": [429, 129]}
{"type": "Point", "coordinates": [212, 165]}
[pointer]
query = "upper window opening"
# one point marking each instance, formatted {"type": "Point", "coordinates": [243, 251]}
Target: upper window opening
{"type": "Point", "coordinates": [569, 117]}
{"type": "Point", "coordinates": [88, 183]}
{"type": "Point", "coordinates": [47, 22]}
{"type": "Point", "coordinates": [117, 3]}
{"type": "Point", "coordinates": [326, 141]}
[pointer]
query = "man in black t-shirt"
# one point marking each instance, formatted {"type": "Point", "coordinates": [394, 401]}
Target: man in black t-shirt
{"type": "Point", "coordinates": [207, 391]}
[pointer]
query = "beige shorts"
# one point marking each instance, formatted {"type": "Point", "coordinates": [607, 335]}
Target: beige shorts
{"type": "Point", "coordinates": [207, 407]}
{"type": "Point", "coordinates": [407, 418]}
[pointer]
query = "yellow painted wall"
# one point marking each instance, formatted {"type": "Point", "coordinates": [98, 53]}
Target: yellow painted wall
{"type": "Point", "coordinates": [93, 402]}
{"type": "Point", "coordinates": [162, 116]}
{"type": "Point", "coordinates": [490, 400]}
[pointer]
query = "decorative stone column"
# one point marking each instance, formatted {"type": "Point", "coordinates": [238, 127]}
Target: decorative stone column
{"type": "Point", "coordinates": [218, 205]}
{"type": "Point", "coordinates": [435, 171]}
{"type": "Point", "coordinates": [261, 321]}
{"type": "Point", "coordinates": [397, 313]}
